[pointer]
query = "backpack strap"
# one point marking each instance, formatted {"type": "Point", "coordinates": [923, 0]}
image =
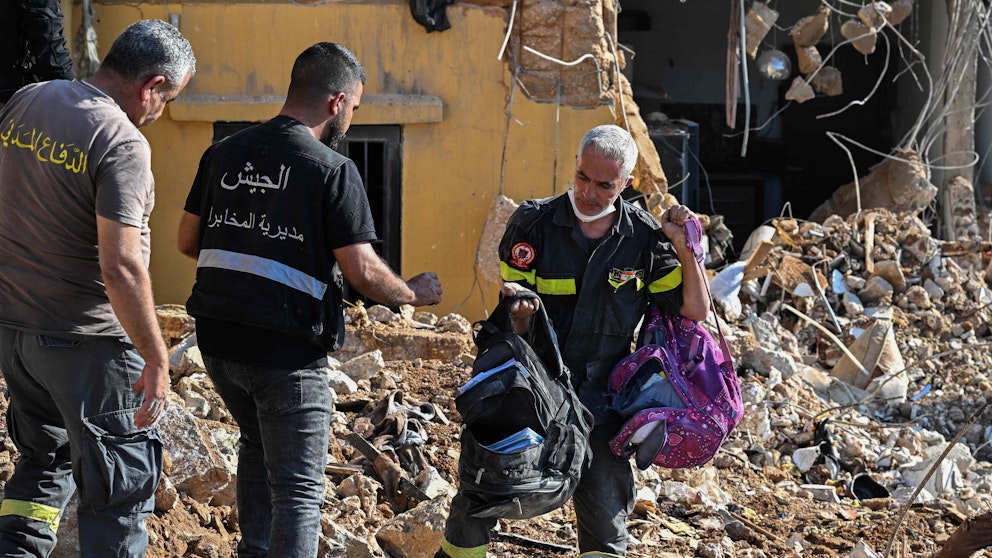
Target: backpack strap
{"type": "Point", "coordinates": [541, 336]}
{"type": "Point", "coordinates": [693, 237]}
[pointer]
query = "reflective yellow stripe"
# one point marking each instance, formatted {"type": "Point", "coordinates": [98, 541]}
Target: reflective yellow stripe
{"type": "Point", "coordinates": [514, 274]}
{"type": "Point", "coordinates": [31, 510]}
{"type": "Point", "coordinates": [543, 286]}
{"type": "Point", "coordinates": [459, 552]}
{"type": "Point", "coordinates": [555, 286]}
{"type": "Point", "coordinates": [668, 282]}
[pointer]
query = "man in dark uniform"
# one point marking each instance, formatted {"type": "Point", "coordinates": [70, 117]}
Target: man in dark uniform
{"type": "Point", "coordinates": [596, 261]}
{"type": "Point", "coordinates": [273, 214]}
{"type": "Point", "coordinates": [32, 47]}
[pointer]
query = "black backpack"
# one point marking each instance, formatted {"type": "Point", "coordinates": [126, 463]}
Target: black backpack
{"type": "Point", "coordinates": [525, 436]}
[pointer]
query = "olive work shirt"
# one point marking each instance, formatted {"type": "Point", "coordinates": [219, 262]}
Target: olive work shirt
{"type": "Point", "coordinates": [68, 153]}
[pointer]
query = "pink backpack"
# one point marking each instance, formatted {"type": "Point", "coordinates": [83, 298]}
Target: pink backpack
{"type": "Point", "coordinates": [678, 392]}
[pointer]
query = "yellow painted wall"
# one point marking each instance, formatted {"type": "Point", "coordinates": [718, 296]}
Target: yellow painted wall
{"type": "Point", "coordinates": [451, 168]}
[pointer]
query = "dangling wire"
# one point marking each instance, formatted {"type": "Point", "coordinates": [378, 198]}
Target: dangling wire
{"type": "Point", "coordinates": [509, 30]}
{"type": "Point", "coordinates": [558, 88]}
{"type": "Point", "coordinates": [747, 85]}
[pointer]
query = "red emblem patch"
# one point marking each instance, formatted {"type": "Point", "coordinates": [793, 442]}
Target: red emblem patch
{"type": "Point", "coordinates": [521, 255]}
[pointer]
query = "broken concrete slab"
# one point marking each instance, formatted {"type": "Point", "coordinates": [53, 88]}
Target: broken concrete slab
{"type": "Point", "coordinates": [417, 532]}
{"type": "Point", "coordinates": [758, 22]}
{"type": "Point", "coordinates": [862, 37]}
{"type": "Point", "coordinates": [338, 542]}
{"type": "Point", "coordinates": [899, 184]}
{"type": "Point", "coordinates": [364, 366]}
{"type": "Point", "coordinates": [874, 14]}
{"type": "Point", "coordinates": [197, 466]}
{"type": "Point", "coordinates": [828, 81]}
{"type": "Point", "coordinates": [185, 358]}
{"type": "Point", "coordinates": [901, 9]}
{"type": "Point", "coordinates": [800, 91]}
{"type": "Point", "coordinates": [809, 59]}
{"type": "Point", "coordinates": [809, 30]}
{"type": "Point", "coordinates": [175, 322]}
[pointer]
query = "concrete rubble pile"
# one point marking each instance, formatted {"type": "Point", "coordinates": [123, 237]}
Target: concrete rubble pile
{"type": "Point", "coordinates": [862, 344]}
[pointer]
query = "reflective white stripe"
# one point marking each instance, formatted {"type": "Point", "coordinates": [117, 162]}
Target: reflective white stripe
{"type": "Point", "coordinates": [263, 267]}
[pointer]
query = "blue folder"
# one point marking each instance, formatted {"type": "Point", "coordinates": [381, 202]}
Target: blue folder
{"type": "Point", "coordinates": [483, 375]}
{"type": "Point", "coordinates": [521, 440]}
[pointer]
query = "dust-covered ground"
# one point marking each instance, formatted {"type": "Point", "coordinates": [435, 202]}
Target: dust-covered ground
{"type": "Point", "coordinates": [759, 512]}
{"type": "Point", "coordinates": [781, 485]}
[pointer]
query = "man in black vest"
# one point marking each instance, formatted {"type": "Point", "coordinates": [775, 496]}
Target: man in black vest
{"type": "Point", "coordinates": [274, 218]}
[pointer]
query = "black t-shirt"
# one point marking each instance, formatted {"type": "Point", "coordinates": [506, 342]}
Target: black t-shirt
{"type": "Point", "coordinates": [334, 211]}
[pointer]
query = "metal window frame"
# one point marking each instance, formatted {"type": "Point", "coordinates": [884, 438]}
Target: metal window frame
{"type": "Point", "coordinates": [387, 194]}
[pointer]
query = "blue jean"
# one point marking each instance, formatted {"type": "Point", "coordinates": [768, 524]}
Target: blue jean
{"type": "Point", "coordinates": [284, 417]}
{"type": "Point", "coordinates": [603, 500]}
{"type": "Point", "coordinates": [71, 418]}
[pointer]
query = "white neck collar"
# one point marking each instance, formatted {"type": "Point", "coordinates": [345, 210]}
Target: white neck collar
{"type": "Point", "coordinates": [588, 218]}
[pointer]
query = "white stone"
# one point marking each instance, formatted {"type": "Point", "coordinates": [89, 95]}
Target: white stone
{"type": "Point", "coordinates": [340, 382]}
{"type": "Point", "coordinates": [416, 532]}
{"type": "Point", "coordinates": [804, 458]}
{"type": "Point", "coordinates": [364, 366]}
{"type": "Point", "coordinates": [821, 492]}
{"type": "Point", "coordinates": [381, 314]}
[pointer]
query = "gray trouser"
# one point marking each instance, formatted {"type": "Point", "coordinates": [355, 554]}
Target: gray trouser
{"type": "Point", "coordinates": [71, 419]}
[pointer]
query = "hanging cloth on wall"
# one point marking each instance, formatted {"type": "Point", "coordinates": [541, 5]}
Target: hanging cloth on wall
{"type": "Point", "coordinates": [431, 14]}
{"type": "Point", "coordinates": [84, 44]}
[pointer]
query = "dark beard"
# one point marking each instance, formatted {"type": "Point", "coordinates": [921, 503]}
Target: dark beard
{"type": "Point", "coordinates": [333, 135]}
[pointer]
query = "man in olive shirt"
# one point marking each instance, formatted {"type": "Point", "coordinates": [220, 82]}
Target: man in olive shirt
{"type": "Point", "coordinates": [80, 346]}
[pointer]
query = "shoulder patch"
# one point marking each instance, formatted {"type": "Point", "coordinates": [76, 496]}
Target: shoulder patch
{"type": "Point", "coordinates": [521, 255]}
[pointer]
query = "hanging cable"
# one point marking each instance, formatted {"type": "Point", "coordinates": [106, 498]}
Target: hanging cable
{"type": "Point", "coordinates": [558, 88]}
{"type": "Point", "coordinates": [747, 85]}
{"type": "Point", "coordinates": [509, 29]}
{"type": "Point", "coordinates": [861, 102]}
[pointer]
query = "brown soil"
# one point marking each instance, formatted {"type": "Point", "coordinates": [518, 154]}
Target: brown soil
{"type": "Point", "coordinates": [768, 515]}
{"type": "Point", "coordinates": [766, 512]}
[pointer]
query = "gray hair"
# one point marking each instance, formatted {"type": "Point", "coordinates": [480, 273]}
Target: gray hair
{"type": "Point", "coordinates": [152, 47]}
{"type": "Point", "coordinates": [614, 143]}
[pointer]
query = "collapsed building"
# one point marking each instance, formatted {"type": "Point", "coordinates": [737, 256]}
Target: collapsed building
{"type": "Point", "coordinates": [862, 344]}
{"type": "Point", "coordinates": [858, 316]}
